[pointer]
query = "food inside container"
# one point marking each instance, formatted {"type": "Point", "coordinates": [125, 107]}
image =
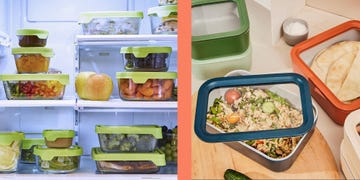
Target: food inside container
{"type": "Point", "coordinates": [146, 85]}
{"type": "Point", "coordinates": [58, 160]}
{"type": "Point", "coordinates": [146, 58]}
{"type": "Point", "coordinates": [58, 138]}
{"type": "Point", "coordinates": [168, 144]}
{"type": "Point", "coordinates": [110, 22]}
{"type": "Point", "coordinates": [163, 19]}
{"type": "Point", "coordinates": [32, 37]}
{"type": "Point", "coordinates": [27, 151]}
{"type": "Point", "coordinates": [10, 146]}
{"type": "Point", "coordinates": [128, 138]}
{"type": "Point", "coordinates": [167, 2]}
{"type": "Point", "coordinates": [32, 59]}
{"type": "Point", "coordinates": [127, 162]}
{"type": "Point", "coordinates": [34, 86]}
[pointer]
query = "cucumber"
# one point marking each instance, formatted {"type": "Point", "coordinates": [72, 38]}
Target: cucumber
{"type": "Point", "coordinates": [231, 174]}
{"type": "Point", "coordinates": [268, 107]}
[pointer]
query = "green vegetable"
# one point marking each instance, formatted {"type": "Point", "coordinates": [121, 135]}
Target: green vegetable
{"type": "Point", "coordinates": [268, 107]}
{"type": "Point", "coordinates": [27, 155]}
{"type": "Point", "coordinates": [59, 163]}
{"type": "Point", "coordinates": [231, 174]}
{"type": "Point", "coordinates": [127, 142]}
{"type": "Point", "coordinates": [276, 97]}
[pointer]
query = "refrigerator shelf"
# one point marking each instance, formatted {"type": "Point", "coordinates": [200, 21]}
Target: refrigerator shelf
{"type": "Point", "coordinates": [38, 103]}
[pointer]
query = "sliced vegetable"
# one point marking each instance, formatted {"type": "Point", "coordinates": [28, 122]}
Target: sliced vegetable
{"type": "Point", "coordinates": [268, 107]}
{"type": "Point", "coordinates": [231, 174]}
{"type": "Point", "coordinates": [232, 95]}
{"type": "Point", "coordinates": [233, 118]}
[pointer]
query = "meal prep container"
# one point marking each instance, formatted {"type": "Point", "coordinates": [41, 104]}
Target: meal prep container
{"type": "Point", "coordinates": [127, 162]}
{"type": "Point", "coordinates": [32, 37]}
{"type": "Point", "coordinates": [110, 22]}
{"type": "Point", "coordinates": [116, 139]}
{"type": "Point", "coordinates": [302, 56]}
{"type": "Point", "coordinates": [58, 138]}
{"type": "Point", "coordinates": [32, 59]}
{"type": "Point", "coordinates": [167, 2]}
{"type": "Point", "coordinates": [34, 86]}
{"type": "Point", "coordinates": [146, 58]}
{"type": "Point", "coordinates": [10, 146]}
{"type": "Point", "coordinates": [299, 99]}
{"type": "Point", "coordinates": [219, 28]}
{"type": "Point", "coordinates": [168, 146]}
{"type": "Point", "coordinates": [163, 19]}
{"type": "Point", "coordinates": [58, 160]}
{"type": "Point", "coordinates": [151, 86]}
{"type": "Point", "coordinates": [27, 151]}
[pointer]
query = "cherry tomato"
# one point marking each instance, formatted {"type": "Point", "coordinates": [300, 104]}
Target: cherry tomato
{"type": "Point", "coordinates": [231, 95]}
{"type": "Point", "coordinates": [233, 118]}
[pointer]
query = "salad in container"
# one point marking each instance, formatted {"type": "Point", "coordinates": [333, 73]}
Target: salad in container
{"type": "Point", "coordinates": [10, 148]}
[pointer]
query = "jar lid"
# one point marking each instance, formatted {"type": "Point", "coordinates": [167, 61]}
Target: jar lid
{"type": "Point", "coordinates": [41, 34]}
{"type": "Point", "coordinates": [29, 142]}
{"type": "Point", "coordinates": [157, 158]}
{"type": "Point", "coordinates": [153, 130]}
{"type": "Point", "coordinates": [46, 52]}
{"type": "Point", "coordinates": [142, 77]}
{"type": "Point", "coordinates": [48, 154]}
{"type": "Point", "coordinates": [86, 17]}
{"type": "Point", "coordinates": [6, 138]}
{"type": "Point", "coordinates": [264, 101]}
{"type": "Point", "coordinates": [62, 78]}
{"type": "Point", "coordinates": [52, 135]}
{"type": "Point", "coordinates": [143, 51]}
{"type": "Point", "coordinates": [162, 11]}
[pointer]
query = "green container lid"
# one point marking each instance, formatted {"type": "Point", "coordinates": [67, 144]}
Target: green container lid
{"type": "Point", "coordinates": [222, 44]}
{"type": "Point", "coordinates": [142, 77]}
{"type": "Point", "coordinates": [48, 154]}
{"type": "Point", "coordinates": [143, 51]}
{"type": "Point", "coordinates": [86, 17]}
{"type": "Point", "coordinates": [6, 138]}
{"type": "Point", "coordinates": [157, 158]}
{"type": "Point", "coordinates": [29, 142]}
{"type": "Point", "coordinates": [41, 34]}
{"type": "Point", "coordinates": [153, 130]}
{"type": "Point", "coordinates": [46, 52]}
{"type": "Point", "coordinates": [163, 11]}
{"type": "Point", "coordinates": [62, 78]}
{"type": "Point", "coordinates": [52, 135]}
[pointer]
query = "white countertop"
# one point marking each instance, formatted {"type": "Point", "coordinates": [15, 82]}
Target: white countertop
{"type": "Point", "coordinates": [276, 58]}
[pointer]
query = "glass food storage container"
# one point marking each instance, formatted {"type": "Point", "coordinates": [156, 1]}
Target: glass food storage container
{"type": "Point", "coordinates": [10, 146]}
{"type": "Point", "coordinates": [127, 162]}
{"type": "Point", "coordinates": [128, 138]}
{"type": "Point", "coordinates": [167, 2]}
{"type": "Point", "coordinates": [146, 85]}
{"type": "Point", "coordinates": [58, 138]}
{"type": "Point", "coordinates": [58, 160]}
{"type": "Point", "coordinates": [34, 86]}
{"type": "Point", "coordinates": [27, 151]}
{"type": "Point", "coordinates": [330, 62]}
{"type": "Point", "coordinates": [268, 118]}
{"type": "Point", "coordinates": [168, 144]}
{"type": "Point", "coordinates": [163, 19]}
{"type": "Point", "coordinates": [146, 58]}
{"type": "Point", "coordinates": [32, 37]}
{"type": "Point", "coordinates": [32, 59]}
{"type": "Point", "coordinates": [110, 22]}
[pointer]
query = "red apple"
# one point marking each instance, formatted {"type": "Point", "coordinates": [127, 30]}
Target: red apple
{"type": "Point", "coordinates": [93, 86]}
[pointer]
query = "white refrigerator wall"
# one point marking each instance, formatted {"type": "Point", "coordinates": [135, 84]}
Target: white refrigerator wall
{"type": "Point", "coordinates": [59, 17]}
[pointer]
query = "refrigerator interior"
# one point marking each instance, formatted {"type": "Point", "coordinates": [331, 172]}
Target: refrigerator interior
{"type": "Point", "coordinates": [73, 54]}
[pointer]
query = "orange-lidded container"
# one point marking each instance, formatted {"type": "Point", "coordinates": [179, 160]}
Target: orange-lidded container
{"type": "Point", "coordinates": [302, 56]}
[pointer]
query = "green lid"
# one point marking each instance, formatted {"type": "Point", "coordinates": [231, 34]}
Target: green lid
{"type": "Point", "coordinates": [86, 17]}
{"type": "Point", "coordinates": [52, 135]}
{"type": "Point", "coordinates": [46, 52]}
{"type": "Point", "coordinates": [48, 154]}
{"type": "Point", "coordinates": [162, 11]}
{"type": "Point", "coordinates": [41, 34]}
{"type": "Point", "coordinates": [6, 138]}
{"type": "Point", "coordinates": [62, 78]}
{"type": "Point", "coordinates": [153, 130]}
{"type": "Point", "coordinates": [143, 51]}
{"type": "Point", "coordinates": [141, 77]}
{"type": "Point", "coordinates": [157, 158]}
{"type": "Point", "coordinates": [28, 143]}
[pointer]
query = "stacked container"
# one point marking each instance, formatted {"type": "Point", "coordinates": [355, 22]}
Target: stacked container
{"type": "Point", "coordinates": [34, 79]}
{"type": "Point", "coordinates": [128, 149]}
{"type": "Point", "coordinates": [164, 17]}
{"type": "Point", "coordinates": [59, 155]}
{"type": "Point", "coordinates": [10, 146]}
{"type": "Point", "coordinates": [220, 37]}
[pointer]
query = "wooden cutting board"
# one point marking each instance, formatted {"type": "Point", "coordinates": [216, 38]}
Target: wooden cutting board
{"type": "Point", "coordinates": [210, 160]}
